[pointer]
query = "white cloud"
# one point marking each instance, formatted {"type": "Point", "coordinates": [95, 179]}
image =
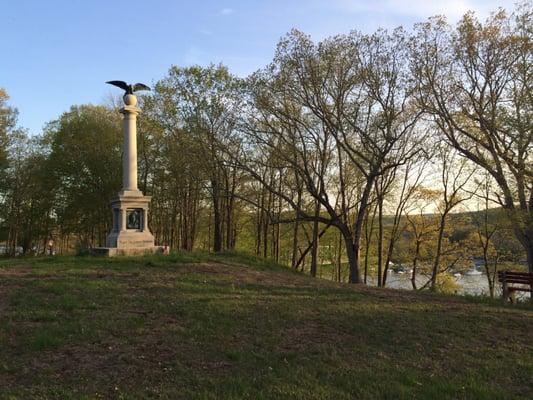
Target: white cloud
{"type": "Point", "coordinates": [227, 11]}
{"type": "Point", "coordinates": [205, 32]}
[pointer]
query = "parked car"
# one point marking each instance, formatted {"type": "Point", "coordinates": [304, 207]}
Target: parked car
{"type": "Point", "coordinates": [5, 250]}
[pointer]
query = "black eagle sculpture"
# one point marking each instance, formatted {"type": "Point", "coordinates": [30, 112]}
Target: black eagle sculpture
{"type": "Point", "coordinates": [129, 88]}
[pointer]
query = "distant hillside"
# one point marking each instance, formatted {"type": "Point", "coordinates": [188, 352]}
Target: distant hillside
{"type": "Point", "coordinates": [493, 213]}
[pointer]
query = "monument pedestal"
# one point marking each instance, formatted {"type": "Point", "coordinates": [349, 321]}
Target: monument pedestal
{"type": "Point", "coordinates": [130, 234]}
{"type": "Point", "coordinates": [130, 222]}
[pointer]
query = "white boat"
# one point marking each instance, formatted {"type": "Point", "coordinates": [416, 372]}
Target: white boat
{"type": "Point", "coordinates": [472, 272]}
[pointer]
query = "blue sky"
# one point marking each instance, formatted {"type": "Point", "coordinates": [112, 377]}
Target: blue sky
{"type": "Point", "coordinates": [56, 53]}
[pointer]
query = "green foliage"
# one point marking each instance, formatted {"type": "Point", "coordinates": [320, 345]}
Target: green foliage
{"type": "Point", "coordinates": [25, 195]}
{"type": "Point", "coordinates": [446, 284]}
{"type": "Point", "coordinates": [8, 120]}
{"type": "Point", "coordinates": [85, 162]}
{"type": "Point", "coordinates": [188, 119]}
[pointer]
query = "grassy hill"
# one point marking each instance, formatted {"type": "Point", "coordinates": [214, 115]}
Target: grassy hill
{"type": "Point", "coordinates": [230, 327]}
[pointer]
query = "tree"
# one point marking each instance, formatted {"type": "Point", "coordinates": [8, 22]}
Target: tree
{"type": "Point", "coordinates": [476, 84]}
{"type": "Point", "coordinates": [423, 227]}
{"type": "Point", "coordinates": [202, 103]}
{"type": "Point", "coordinates": [338, 115]}
{"type": "Point", "coordinates": [487, 224]}
{"type": "Point", "coordinates": [85, 146]}
{"type": "Point", "coordinates": [172, 172]}
{"type": "Point", "coordinates": [455, 177]}
{"type": "Point", "coordinates": [8, 121]}
{"type": "Point", "coordinates": [24, 193]}
{"type": "Point", "coordinates": [412, 176]}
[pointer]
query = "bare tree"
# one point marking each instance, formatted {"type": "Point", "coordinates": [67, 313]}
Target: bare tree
{"type": "Point", "coordinates": [423, 227]}
{"type": "Point", "coordinates": [413, 173]}
{"type": "Point", "coordinates": [486, 227]}
{"type": "Point", "coordinates": [476, 83]}
{"type": "Point", "coordinates": [455, 176]}
{"type": "Point", "coordinates": [331, 111]}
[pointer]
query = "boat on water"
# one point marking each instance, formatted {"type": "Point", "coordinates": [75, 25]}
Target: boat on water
{"type": "Point", "coordinates": [400, 269]}
{"type": "Point", "coordinates": [473, 272]}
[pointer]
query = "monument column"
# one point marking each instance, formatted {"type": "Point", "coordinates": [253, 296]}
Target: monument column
{"type": "Point", "coordinates": [129, 158]}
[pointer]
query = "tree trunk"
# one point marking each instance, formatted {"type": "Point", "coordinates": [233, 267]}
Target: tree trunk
{"type": "Point", "coordinates": [314, 252]}
{"type": "Point", "coordinates": [265, 224]}
{"type": "Point", "coordinates": [388, 258]}
{"type": "Point", "coordinates": [527, 242]}
{"type": "Point", "coordinates": [357, 233]}
{"type": "Point", "coordinates": [295, 232]}
{"type": "Point", "coordinates": [339, 259]}
{"type": "Point", "coordinates": [436, 262]}
{"type": "Point", "coordinates": [217, 227]}
{"type": "Point", "coordinates": [230, 211]}
{"type": "Point", "coordinates": [368, 239]}
{"type": "Point", "coordinates": [529, 256]}
{"type": "Point", "coordinates": [295, 244]}
{"type": "Point", "coordinates": [415, 264]}
{"type": "Point", "coordinates": [217, 215]}
{"type": "Point", "coordinates": [259, 225]}
{"type": "Point", "coordinates": [310, 246]}
{"type": "Point", "coordinates": [380, 241]}
{"type": "Point", "coordinates": [486, 265]}
{"type": "Point", "coordinates": [229, 223]}
{"type": "Point", "coordinates": [352, 251]}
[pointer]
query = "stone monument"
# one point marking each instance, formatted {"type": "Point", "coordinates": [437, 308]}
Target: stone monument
{"type": "Point", "coordinates": [130, 234]}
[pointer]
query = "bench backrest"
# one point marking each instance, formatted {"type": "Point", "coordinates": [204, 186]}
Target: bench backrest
{"type": "Point", "coordinates": [515, 277]}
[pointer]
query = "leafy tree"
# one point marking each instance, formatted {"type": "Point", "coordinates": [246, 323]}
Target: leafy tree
{"type": "Point", "coordinates": [8, 121]}
{"type": "Point", "coordinates": [85, 159]}
{"type": "Point", "coordinates": [202, 104]}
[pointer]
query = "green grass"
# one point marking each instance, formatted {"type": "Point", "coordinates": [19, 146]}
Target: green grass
{"type": "Point", "coordinates": [202, 326]}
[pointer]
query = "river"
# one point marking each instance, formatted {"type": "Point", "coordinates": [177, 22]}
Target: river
{"type": "Point", "coordinates": [475, 285]}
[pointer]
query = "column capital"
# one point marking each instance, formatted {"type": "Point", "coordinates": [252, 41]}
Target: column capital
{"type": "Point", "coordinates": [130, 110]}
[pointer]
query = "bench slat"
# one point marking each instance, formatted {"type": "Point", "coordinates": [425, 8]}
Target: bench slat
{"type": "Point", "coordinates": [525, 281]}
{"type": "Point", "coordinates": [515, 277]}
{"type": "Point", "coordinates": [514, 289]}
{"type": "Point", "coordinates": [511, 273]}
{"type": "Point", "coordinates": [518, 279]}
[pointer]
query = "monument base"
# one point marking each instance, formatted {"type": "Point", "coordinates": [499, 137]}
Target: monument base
{"type": "Point", "coordinates": [130, 235]}
{"type": "Point", "coordinates": [128, 251]}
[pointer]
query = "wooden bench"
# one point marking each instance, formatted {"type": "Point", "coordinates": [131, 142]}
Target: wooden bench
{"type": "Point", "coordinates": [519, 278]}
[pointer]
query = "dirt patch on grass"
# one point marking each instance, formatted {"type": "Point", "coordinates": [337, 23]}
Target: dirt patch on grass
{"type": "Point", "coordinates": [299, 338]}
{"type": "Point", "coordinates": [15, 272]}
{"type": "Point", "coordinates": [241, 274]}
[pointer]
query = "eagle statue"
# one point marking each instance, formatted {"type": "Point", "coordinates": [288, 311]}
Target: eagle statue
{"type": "Point", "coordinates": [129, 89]}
